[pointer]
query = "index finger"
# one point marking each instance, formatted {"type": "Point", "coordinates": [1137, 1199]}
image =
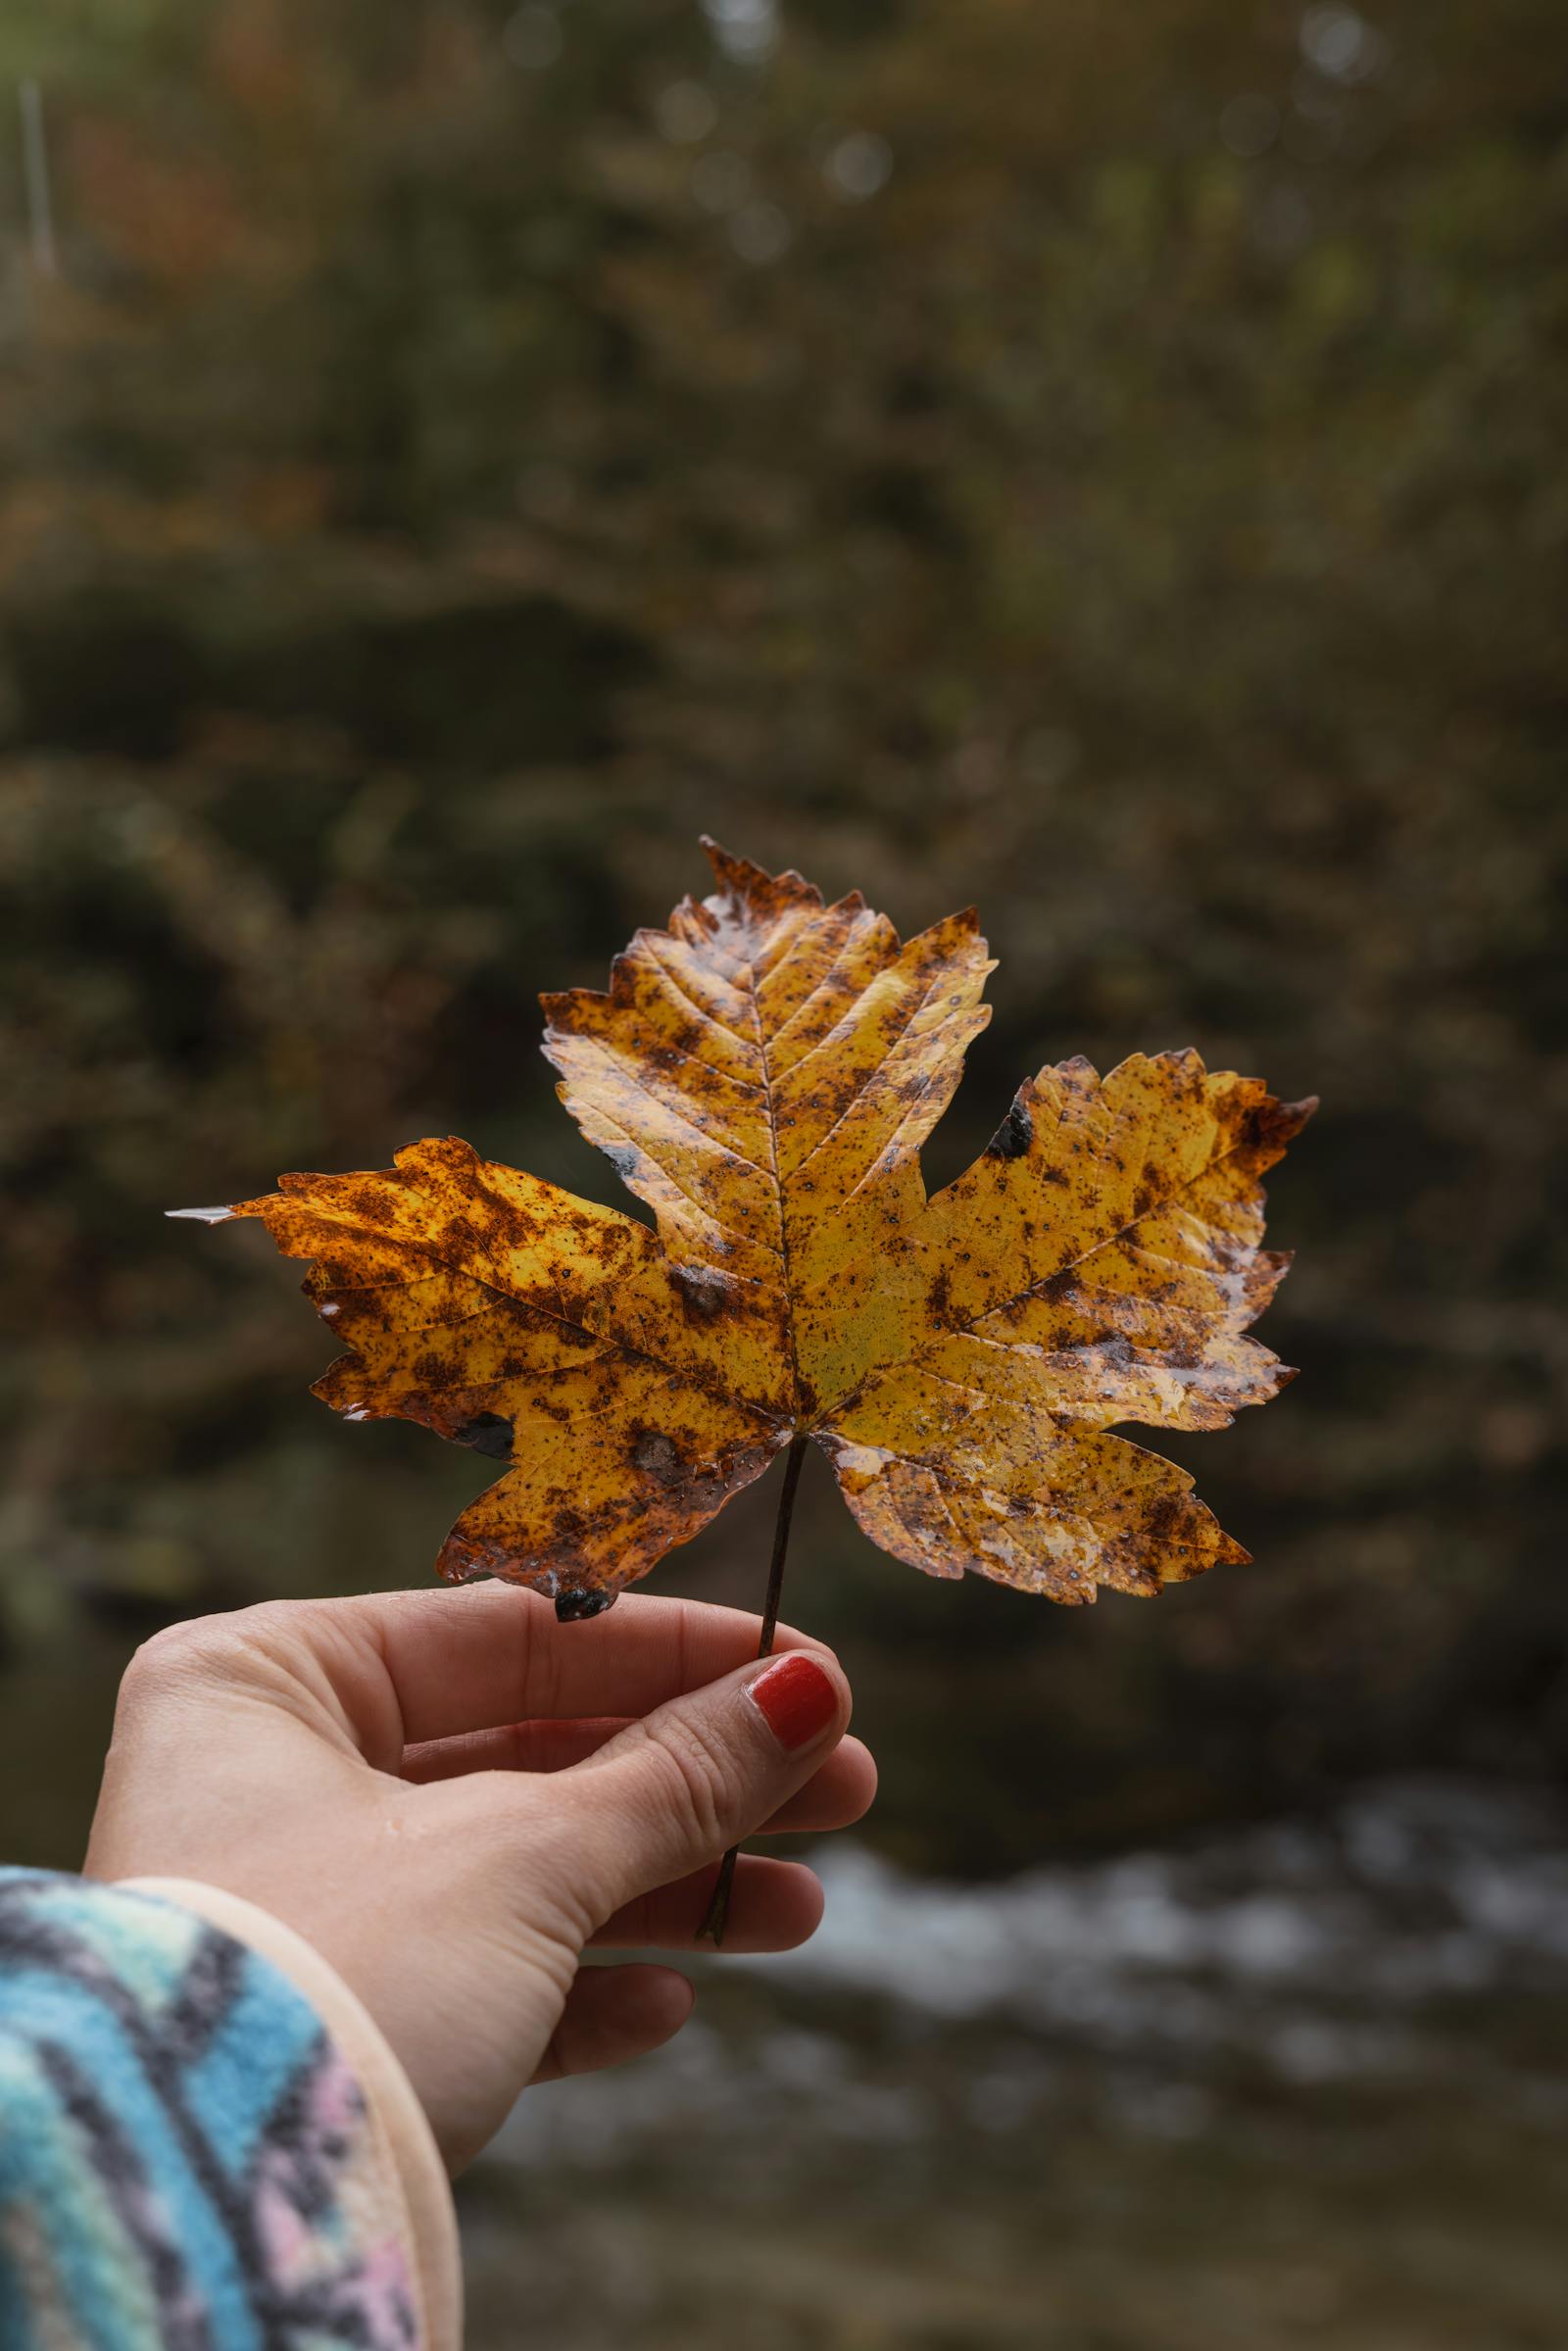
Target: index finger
{"type": "Point", "coordinates": [485, 1655]}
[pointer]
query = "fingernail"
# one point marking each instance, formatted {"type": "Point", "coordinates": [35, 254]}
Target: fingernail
{"type": "Point", "coordinates": [797, 1699]}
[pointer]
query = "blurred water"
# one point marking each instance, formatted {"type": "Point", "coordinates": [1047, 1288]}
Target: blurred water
{"type": "Point", "coordinates": [1321, 1951]}
{"type": "Point", "coordinates": [1332, 2050]}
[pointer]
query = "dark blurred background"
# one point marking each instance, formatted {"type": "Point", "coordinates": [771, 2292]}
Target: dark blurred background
{"type": "Point", "coordinates": [1105, 463]}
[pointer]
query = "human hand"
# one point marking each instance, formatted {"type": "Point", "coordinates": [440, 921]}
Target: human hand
{"type": "Point", "coordinates": [449, 1796]}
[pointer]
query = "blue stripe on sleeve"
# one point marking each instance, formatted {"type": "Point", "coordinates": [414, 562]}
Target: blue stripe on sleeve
{"type": "Point", "coordinates": [51, 2007]}
{"type": "Point", "coordinates": [235, 2086]}
{"type": "Point", "coordinates": [16, 2327]}
{"type": "Point", "coordinates": [49, 2197]}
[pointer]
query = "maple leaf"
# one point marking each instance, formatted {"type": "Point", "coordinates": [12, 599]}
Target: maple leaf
{"type": "Point", "coordinates": [762, 1075]}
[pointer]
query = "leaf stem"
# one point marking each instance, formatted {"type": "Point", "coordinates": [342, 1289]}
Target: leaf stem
{"type": "Point", "coordinates": [717, 1911]}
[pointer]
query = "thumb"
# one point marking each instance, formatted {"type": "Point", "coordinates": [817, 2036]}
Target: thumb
{"type": "Point", "coordinates": [673, 1793]}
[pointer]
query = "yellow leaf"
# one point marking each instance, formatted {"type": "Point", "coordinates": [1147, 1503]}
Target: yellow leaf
{"type": "Point", "coordinates": [758, 1074]}
{"type": "Point", "coordinates": [762, 1075]}
{"type": "Point", "coordinates": [508, 1315]}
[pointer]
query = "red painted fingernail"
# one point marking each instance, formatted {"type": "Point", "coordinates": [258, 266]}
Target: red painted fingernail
{"type": "Point", "coordinates": [796, 1698]}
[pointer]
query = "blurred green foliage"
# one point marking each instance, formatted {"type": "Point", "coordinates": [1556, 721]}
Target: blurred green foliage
{"type": "Point", "coordinates": [1103, 464]}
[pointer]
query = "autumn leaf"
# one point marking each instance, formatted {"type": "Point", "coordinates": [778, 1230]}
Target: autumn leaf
{"type": "Point", "coordinates": [762, 1075]}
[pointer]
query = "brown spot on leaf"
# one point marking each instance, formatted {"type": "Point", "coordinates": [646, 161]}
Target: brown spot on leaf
{"type": "Point", "coordinates": [576, 1607]}
{"type": "Point", "coordinates": [1016, 1133]}
{"type": "Point", "coordinates": [704, 1292]}
{"type": "Point", "coordinates": [655, 1456]}
{"type": "Point", "coordinates": [487, 1433]}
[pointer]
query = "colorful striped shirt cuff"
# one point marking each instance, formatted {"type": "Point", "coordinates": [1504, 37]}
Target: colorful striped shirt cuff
{"type": "Point", "coordinates": [205, 2144]}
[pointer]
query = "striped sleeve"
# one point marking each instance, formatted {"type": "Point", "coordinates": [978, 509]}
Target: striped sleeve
{"type": "Point", "coordinates": [189, 2159]}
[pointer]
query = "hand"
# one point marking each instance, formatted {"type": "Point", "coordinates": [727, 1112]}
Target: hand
{"type": "Point", "coordinates": [450, 1794]}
